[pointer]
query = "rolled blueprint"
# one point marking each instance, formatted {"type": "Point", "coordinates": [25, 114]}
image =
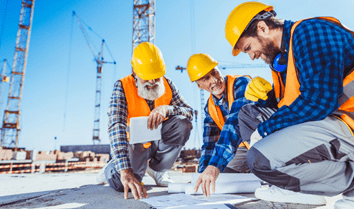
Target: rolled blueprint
{"type": "Point", "coordinates": [229, 177]}
{"type": "Point", "coordinates": [177, 187]}
{"type": "Point", "coordinates": [228, 187]}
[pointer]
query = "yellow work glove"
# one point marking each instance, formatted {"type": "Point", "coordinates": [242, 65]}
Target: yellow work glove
{"type": "Point", "coordinates": [258, 89]}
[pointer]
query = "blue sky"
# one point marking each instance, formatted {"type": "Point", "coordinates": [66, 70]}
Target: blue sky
{"type": "Point", "coordinates": [44, 93]}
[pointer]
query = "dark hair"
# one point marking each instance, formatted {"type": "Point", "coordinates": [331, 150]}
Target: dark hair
{"type": "Point", "coordinates": [272, 22]}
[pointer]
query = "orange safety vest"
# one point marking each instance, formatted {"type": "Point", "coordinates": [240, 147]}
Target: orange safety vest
{"type": "Point", "coordinates": [137, 106]}
{"type": "Point", "coordinates": [215, 112]}
{"type": "Point", "coordinates": [287, 95]}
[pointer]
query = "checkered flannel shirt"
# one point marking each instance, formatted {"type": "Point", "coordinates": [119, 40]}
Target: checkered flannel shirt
{"type": "Point", "coordinates": [117, 121]}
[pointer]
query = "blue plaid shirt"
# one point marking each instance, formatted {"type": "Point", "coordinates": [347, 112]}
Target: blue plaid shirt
{"type": "Point", "coordinates": [219, 146]}
{"type": "Point", "coordinates": [322, 51]}
{"type": "Point", "coordinates": [117, 121]}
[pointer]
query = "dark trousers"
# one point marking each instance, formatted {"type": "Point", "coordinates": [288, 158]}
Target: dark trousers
{"type": "Point", "coordinates": [162, 153]}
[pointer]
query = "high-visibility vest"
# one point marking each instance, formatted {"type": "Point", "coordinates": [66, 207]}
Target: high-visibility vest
{"type": "Point", "coordinates": [215, 112]}
{"type": "Point", "coordinates": [287, 94]}
{"type": "Point", "coordinates": [137, 106]}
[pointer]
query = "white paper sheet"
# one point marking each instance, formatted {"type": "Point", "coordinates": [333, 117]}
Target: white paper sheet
{"type": "Point", "coordinates": [228, 187]}
{"type": "Point", "coordinates": [177, 187]}
{"type": "Point", "coordinates": [195, 202]}
{"type": "Point", "coordinates": [139, 133]}
{"type": "Point", "coordinates": [229, 177]}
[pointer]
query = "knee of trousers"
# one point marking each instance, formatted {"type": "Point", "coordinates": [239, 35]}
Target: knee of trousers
{"type": "Point", "coordinates": [260, 166]}
{"type": "Point", "coordinates": [256, 161]}
{"type": "Point", "coordinates": [178, 131]}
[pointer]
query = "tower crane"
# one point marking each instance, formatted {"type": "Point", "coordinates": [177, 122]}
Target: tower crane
{"type": "Point", "coordinates": [4, 78]}
{"type": "Point", "coordinates": [11, 123]}
{"type": "Point", "coordinates": [100, 61]}
{"type": "Point", "coordinates": [143, 22]}
{"type": "Point", "coordinates": [223, 67]}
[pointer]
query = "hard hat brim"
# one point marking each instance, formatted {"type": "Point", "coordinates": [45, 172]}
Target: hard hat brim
{"type": "Point", "coordinates": [235, 51]}
{"type": "Point", "coordinates": [151, 76]}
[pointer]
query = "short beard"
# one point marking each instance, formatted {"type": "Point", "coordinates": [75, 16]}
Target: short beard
{"type": "Point", "coordinates": [151, 94]}
{"type": "Point", "coordinates": [218, 92]}
{"type": "Point", "coordinates": [269, 50]}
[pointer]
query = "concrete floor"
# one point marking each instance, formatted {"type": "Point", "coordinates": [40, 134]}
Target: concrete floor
{"type": "Point", "coordinates": [80, 190]}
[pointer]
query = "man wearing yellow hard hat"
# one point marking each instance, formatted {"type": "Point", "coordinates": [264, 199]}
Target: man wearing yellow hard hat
{"type": "Point", "coordinates": [307, 145]}
{"type": "Point", "coordinates": [146, 92]}
{"type": "Point", "coordinates": [221, 122]}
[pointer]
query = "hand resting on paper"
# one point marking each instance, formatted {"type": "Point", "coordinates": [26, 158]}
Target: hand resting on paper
{"type": "Point", "coordinates": [157, 116]}
{"type": "Point", "coordinates": [129, 181]}
{"type": "Point", "coordinates": [207, 179]}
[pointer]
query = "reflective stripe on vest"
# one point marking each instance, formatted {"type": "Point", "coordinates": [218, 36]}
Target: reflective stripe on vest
{"type": "Point", "coordinates": [287, 94]}
{"type": "Point", "coordinates": [137, 105]}
{"type": "Point", "coordinates": [215, 112]}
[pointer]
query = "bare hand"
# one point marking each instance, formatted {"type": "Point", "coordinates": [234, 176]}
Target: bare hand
{"type": "Point", "coordinates": [157, 116]}
{"type": "Point", "coordinates": [129, 181]}
{"type": "Point", "coordinates": [209, 176]}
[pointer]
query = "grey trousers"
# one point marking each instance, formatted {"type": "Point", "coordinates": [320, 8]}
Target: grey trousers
{"type": "Point", "coordinates": [249, 118]}
{"type": "Point", "coordinates": [314, 157]}
{"type": "Point", "coordinates": [162, 153]}
{"type": "Point", "coordinates": [239, 163]}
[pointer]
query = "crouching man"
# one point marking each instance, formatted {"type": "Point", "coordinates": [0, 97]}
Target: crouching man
{"type": "Point", "coordinates": [146, 92]}
{"type": "Point", "coordinates": [221, 137]}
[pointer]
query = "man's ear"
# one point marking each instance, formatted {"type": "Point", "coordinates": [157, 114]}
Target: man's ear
{"type": "Point", "coordinates": [262, 29]}
{"type": "Point", "coordinates": [133, 72]}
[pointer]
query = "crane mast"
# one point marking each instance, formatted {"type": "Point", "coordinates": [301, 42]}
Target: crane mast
{"type": "Point", "coordinates": [3, 78]}
{"type": "Point", "coordinates": [143, 22]}
{"type": "Point", "coordinates": [11, 121]}
{"type": "Point", "coordinates": [100, 61]}
{"type": "Point", "coordinates": [96, 121]}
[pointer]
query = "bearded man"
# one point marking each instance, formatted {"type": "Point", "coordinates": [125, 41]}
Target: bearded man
{"type": "Point", "coordinates": [146, 92]}
{"type": "Point", "coordinates": [306, 147]}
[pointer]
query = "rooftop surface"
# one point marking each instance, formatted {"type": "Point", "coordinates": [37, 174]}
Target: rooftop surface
{"type": "Point", "coordinates": [80, 190]}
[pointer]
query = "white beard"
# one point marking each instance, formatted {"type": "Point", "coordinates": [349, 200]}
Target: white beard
{"type": "Point", "coordinates": [151, 94]}
{"type": "Point", "coordinates": [219, 91]}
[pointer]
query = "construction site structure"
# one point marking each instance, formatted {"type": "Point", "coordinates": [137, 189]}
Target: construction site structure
{"type": "Point", "coordinates": [143, 22]}
{"type": "Point", "coordinates": [196, 142]}
{"type": "Point", "coordinates": [3, 79]}
{"type": "Point", "coordinates": [3, 76]}
{"type": "Point", "coordinates": [100, 61]}
{"type": "Point", "coordinates": [11, 122]}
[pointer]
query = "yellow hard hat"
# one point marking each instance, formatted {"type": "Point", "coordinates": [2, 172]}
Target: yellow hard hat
{"type": "Point", "coordinates": [147, 61]}
{"type": "Point", "coordinates": [199, 65]}
{"type": "Point", "coordinates": [239, 19]}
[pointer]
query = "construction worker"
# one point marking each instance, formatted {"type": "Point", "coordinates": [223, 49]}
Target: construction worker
{"type": "Point", "coordinates": [146, 92]}
{"type": "Point", "coordinates": [307, 145]}
{"type": "Point", "coordinates": [221, 131]}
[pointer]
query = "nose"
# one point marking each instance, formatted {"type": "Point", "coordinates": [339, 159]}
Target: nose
{"type": "Point", "coordinates": [212, 80]}
{"type": "Point", "coordinates": [252, 55]}
{"type": "Point", "coordinates": [152, 81]}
